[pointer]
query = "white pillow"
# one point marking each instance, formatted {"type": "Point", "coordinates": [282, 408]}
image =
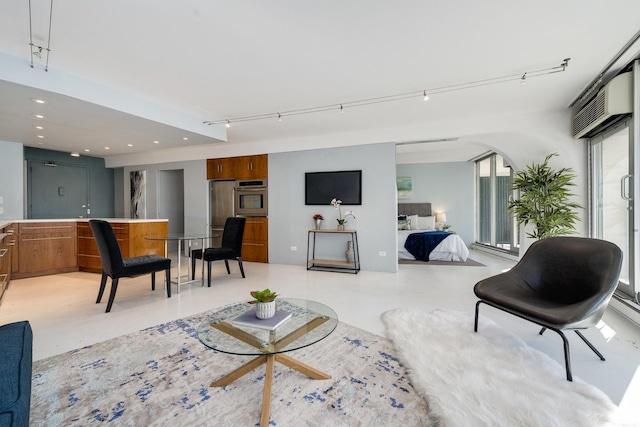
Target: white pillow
{"type": "Point", "coordinates": [404, 225]}
{"type": "Point", "coordinates": [413, 220]}
{"type": "Point", "coordinates": [426, 223]}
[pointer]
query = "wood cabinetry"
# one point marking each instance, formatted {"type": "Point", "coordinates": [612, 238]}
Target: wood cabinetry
{"type": "Point", "coordinates": [255, 242]}
{"type": "Point", "coordinates": [132, 239]}
{"type": "Point", "coordinates": [12, 231]}
{"type": "Point", "coordinates": [222, 168]}
{"type": "Point", "coordinates": [243, 167]}
{"type": "Point", "coordinates": [6, 250]}
{"type": "Point", "coordinates": [46, 248]}
{"type": "Point", "coordinates": [251, 167]}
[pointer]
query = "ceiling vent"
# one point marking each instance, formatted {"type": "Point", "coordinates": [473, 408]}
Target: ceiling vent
{"type": "Point", "coordinates": [613, 99]}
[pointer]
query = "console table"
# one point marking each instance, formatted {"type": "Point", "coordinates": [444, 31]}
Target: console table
{"type": "Point", "coordinates": [314, 263]}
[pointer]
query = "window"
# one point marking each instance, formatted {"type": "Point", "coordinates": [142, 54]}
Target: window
{"type": "Point", "coordinates": [612, 206]}
{"type": "Point", "coordinates": [496, 226]}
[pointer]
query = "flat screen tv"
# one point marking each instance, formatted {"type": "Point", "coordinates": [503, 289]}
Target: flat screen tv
{"type": "Point", "coordinates": [321, 187]}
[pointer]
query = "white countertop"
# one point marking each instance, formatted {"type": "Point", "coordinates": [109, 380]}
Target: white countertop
{"type": "Point", "coordinates": [6, 222]}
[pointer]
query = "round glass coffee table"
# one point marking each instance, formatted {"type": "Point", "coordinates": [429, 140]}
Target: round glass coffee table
{"type": "Point", "coordinates": [309, 322]}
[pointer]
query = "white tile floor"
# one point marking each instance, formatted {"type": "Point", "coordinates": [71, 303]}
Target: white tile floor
{"type": "Point", "coordinates": [64, 316]}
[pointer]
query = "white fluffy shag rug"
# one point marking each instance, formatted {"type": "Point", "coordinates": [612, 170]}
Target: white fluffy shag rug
{"type": "Point", "coordinates": [490, 378]}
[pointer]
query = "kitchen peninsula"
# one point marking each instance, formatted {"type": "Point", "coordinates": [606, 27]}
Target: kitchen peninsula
{"type": "Point", "coordinates": [50, 246]}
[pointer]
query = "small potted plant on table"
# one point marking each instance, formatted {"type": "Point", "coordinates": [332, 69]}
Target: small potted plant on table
{"type": "Point", "coordinates": [265, 303]}
{"type": "Point", "coordinates": [318, 218]}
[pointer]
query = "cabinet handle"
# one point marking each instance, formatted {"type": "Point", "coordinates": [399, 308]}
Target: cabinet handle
{"type": "Point", "coordinates": [11, 243]}
{"type": "Point", "coordinates": [4, 251]}
{"type": "Point", "coordinates": [47, 238]}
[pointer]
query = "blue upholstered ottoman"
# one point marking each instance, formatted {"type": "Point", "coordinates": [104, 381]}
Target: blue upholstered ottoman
{"type": "Point", "coordinates": [16, 345]}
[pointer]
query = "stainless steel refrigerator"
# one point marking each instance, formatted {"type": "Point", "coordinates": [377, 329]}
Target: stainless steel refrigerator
{"type": "Point", "coordinates": [221, 207]}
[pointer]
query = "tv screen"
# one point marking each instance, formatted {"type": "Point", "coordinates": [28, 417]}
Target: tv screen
{"type": "Point", "coordinates": [321, 187]}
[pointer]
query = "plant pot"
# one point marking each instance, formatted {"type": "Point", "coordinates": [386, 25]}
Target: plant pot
{"type": "Point", "coordinates": [265, 310]}
{"type": "Point", "coordinates": [318, 224]}
{"type": "Point", "coordinates": [340, 227]}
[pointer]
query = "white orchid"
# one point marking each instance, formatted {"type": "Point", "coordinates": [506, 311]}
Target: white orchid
{"type": "Point", "coordinates": [341, 219]}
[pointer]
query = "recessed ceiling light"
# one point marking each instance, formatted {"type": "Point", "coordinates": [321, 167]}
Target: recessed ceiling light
{"type": "Point", "coordinates": [40, 136]}
{"type": "Point", "coordinates": [39, 127]}
{"type": "Point", "coordinates": [107, 148]}
{"type": "Point", "coordinates": [185, 138]}
{"type": "Point", "coordinates": [129, 145]}
{"type": "Point", "coordinates": [74, 154]}
{"type": "Point", "coordinates": [39, 101]}
{"type": "Point", "coordinates": [39, 116]}
{"type": "Point", "coordinates": [86, 150]}
{"type": "Point", "coordinates": [156, 142]}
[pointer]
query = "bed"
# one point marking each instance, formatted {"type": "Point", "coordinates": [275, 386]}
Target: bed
{"type": "Point", "coordinates": [417, 220]}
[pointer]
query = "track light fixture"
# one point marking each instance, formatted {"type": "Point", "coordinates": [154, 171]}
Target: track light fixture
{"type": "Point", "coordinates": [35, 49]}
{"type": "Point", "coordinates": [424, 93]}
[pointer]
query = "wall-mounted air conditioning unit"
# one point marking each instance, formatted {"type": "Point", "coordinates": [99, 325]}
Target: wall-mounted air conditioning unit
{"type": "Point", "coordinates": [615, 98]}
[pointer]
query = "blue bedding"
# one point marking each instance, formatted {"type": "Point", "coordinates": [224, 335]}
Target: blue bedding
{"type": "Point", "coordinates": [421, 244]}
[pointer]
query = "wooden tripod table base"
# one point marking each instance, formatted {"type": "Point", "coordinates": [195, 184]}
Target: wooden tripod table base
{"type": "Point", "coordinates": [270, 360]}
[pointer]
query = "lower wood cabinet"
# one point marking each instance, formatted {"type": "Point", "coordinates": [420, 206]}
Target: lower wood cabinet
{"type": "Point", "coordinates": [51, 247]}
{"type": "Point", "coordinates": [132, 239]}
{"type": "Point", "coordinates": [6, 249]}
{"type": "Point", "coordinates": [46, 248]}
{"type": "Point", "coordinates": [255, 243]}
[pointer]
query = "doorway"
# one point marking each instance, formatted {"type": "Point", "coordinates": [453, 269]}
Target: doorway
{"type": "Point", "coordinates": [612, 204]}
{"type": "Point", "coordinates": [171, 199]}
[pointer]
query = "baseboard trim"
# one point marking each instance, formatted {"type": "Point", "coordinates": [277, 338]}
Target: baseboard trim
{"type": "Point", "coordinates": [626, 308]}
{"type": "Point", "coordinates": [494, 251]}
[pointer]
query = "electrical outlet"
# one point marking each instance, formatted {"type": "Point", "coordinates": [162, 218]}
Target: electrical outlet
{"type": "Point", "coordinates": [294, 248]}
{"type": "Point", "coordinates": [382, 253]}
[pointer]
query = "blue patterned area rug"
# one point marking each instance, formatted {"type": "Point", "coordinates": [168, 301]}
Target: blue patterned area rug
{"type": "Point", "coordinates": [161, 375]}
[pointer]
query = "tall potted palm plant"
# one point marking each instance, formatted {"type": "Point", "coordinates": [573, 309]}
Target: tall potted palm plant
{"type": "Point", "coordinates": [544, 200]}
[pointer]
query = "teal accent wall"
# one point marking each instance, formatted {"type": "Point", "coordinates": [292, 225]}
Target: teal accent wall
{"type": "Point", "coordinates": [100, 179]}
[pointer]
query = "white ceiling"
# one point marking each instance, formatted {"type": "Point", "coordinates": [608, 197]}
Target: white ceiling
{"type": "Point", "coordinates": [214, 60]}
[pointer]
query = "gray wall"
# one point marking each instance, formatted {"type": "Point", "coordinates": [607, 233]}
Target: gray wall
{"type": "Point", "coordinates": [195, 191]}
{"type": "Point", "coordinates": [449, 187]}
{"type": "Point", "coordinates": [12, 180]}
{"type": "Point", "coordinates": [118, 188]}
{"type": "Point", "coordinates": [290, 219]}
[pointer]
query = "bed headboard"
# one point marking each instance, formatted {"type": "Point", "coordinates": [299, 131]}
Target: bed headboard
{"type": "Point", "coordinates": [420, 209]}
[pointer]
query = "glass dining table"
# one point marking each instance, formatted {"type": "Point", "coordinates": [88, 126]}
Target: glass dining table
{"type": "Point", "coordinates": [180, 239]}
